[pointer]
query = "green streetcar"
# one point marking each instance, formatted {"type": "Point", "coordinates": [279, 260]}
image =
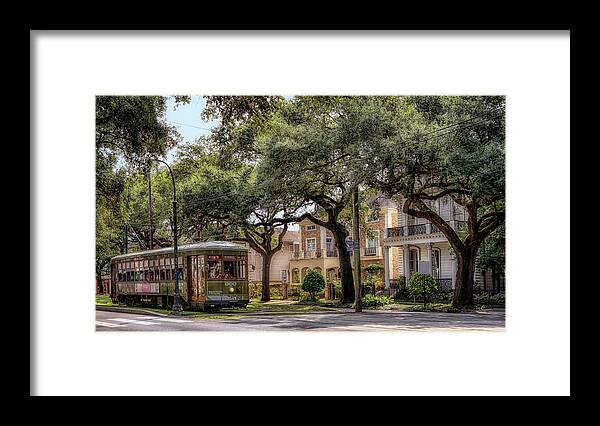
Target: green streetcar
{"type": "Point", "coordinates": [212, 275]}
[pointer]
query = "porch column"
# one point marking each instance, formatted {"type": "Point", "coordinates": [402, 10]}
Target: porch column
{"type": "Point", "coordinates": [386, 265]}
{"type": "Point", "coordinates": [429, 257]}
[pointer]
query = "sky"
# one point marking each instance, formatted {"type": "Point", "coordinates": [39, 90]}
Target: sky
{"type": "Point", "coordinates": [186, 118]}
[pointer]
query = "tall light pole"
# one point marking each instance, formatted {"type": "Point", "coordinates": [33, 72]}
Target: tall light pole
{"type": "Point", "coordinates": [356, 237]}
{"type": "Point", "coordinates": [177, 305]}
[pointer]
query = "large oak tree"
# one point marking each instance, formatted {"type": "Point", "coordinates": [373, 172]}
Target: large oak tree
{"type": "Point", "coordinates": [455, 148]}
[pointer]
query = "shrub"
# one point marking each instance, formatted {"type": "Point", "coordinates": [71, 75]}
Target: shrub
{"type": "Point", "coordinates": [306, 299]}
{"type": "Point", "coordinates": [295, 291]}
{"type": "Point", "coordinates": [313, 283]}
{"type": "Point", "coordinates": [374, 268]}
{"type": "Point", "coordinates": [489, 299]}
{"type": "Point", "coordinates": [379, 284]}
{"type": "Point", "coordinates": [255, 290]}
{"type": "Point", "coordinates": [370, 301]}
{"type": "Point", "coordinates": [337, 288]}
{"type": "Point", "coordinates": [422, 285]}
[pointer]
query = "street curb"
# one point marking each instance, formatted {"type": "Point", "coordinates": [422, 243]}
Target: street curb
{"type": "Point", "coordinates": [236, 314]}
{"type": "Point", "coordinates": [257, 314]}
{"type": "Point", "coordinates": [129, 310]}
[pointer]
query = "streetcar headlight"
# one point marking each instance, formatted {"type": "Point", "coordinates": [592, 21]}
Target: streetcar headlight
{"type": "Point", "coordinates": [231, 289]}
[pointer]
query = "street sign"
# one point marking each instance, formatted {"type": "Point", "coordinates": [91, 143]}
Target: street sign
{"type": "Point", "coordinates": [349, 245]}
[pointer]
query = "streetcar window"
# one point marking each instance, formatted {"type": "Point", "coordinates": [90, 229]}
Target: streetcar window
{"type": "Point", "coordinates": [229, 267]}
{"type": "Point", "coordinates": [214, 267]}
{"type": "Point", "coordinates": [241, 262]}
{"type": "Point", "coordinates": [234, 267]}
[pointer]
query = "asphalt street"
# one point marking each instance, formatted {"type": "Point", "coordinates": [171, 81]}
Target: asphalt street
{"type": "Point", "coordinates": [493, 320]}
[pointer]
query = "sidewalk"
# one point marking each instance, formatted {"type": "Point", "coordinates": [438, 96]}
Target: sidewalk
{"type": "Point", "coordinates": [193, 314]}
{"type": "Point", "coordinates": [129, 310]}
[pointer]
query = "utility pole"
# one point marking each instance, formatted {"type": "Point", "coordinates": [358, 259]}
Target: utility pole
{"type": "Point", "coordinates": [149, 210]}
{"type": "Point", "coordinates": [356, 238]}
{"type": "Point", "coordinates": [126, 238]}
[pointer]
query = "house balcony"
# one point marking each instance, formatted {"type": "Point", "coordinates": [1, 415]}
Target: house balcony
{"type": "Point", "coordinates": [314, 254]}
{"type": "Point", "coordinates": [370, 251]}
{"type": "Point", "coordinates": [421, 229]}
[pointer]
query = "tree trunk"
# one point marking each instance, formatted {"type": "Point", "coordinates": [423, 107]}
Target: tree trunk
{"type": "Point", "coordinates": [483, 274]}
{"type": "Point", "coordinates": [266, 290]}
{"type": "Point", "coordinates": [345, 269]}
{"type": "Point", "coordinates": [465, 278]}
{"type": "Point", "coordinates": [99, 287]}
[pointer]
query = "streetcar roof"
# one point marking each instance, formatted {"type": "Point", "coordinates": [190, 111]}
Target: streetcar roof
{"type": "Point", "coordinates": [206, 245]}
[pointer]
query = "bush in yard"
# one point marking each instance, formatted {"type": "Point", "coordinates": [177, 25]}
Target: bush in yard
{"type": "Point", "coordinates": [379, 284]}
{"type": "Point", "coordinates": [370, 301]}
{"type": "Point", "coordinates": [422, 285]}
{"type": "Point", "coordinates": [313, 283]}
{"type": "Point", "coordinates": [489, 299]}
{"type": "Point", "coordinates": [337, 288]}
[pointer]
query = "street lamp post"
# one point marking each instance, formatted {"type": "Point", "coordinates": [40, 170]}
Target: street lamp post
{"type": "Point", "coordinates": [177, 305]}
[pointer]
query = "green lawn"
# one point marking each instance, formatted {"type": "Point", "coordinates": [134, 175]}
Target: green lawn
{"type": "Point", "coordinates": [104, 300]}
{"type": "Point", "coordinates": [282, 306]}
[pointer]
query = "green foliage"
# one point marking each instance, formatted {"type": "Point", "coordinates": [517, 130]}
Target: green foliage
{"type": "Point", "coordinates": [370, 301]}
{"type": "Point", "coordinates": [307, 298]}
{"type": "Point", "coordinates": [374, 268]}
{"type": "Point", "coordinates": [491, 253]}
{"type": "Point", "coordinates": [313, 283]}
{"type": "Point", "coordinates": [134, 126]}
{"type": "Point", "coordinates": [485, 299]}
{"type": "Point", "coordinates": [108, 238]}
{"type": "Point", "coordinates": [422, 285]}
{"type": "Point", "coordinates": [337, 288]}
{"type": "Point", "coordinates": [129, 129]}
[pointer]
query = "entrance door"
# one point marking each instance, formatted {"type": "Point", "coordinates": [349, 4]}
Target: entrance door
{"type": "Point", "coordinates": [435, 263]}
{"type": "Point", "coordinates": [195, 279]}
{"type": "Point", "coordinates": [414, 260]}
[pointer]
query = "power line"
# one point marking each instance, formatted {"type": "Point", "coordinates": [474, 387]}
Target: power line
{"type": "Point", "coordinates": [189, 125]}
{"type": "Point", "coordinates": [483, 118]}
{"type": "Point", "coordinates": [458, 129]}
